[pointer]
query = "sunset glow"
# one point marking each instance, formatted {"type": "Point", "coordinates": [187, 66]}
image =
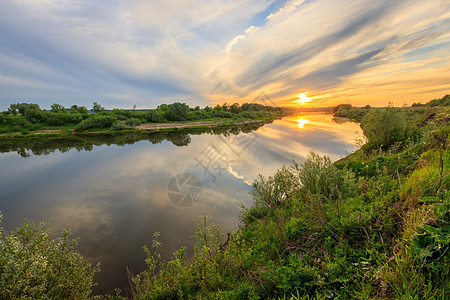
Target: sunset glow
{"type": "Point", "coordinates": [303, 98]}
{"type": "Point", "coordinates": [302, 122]}
{"type": "Point", "coordinates": [203, 53]}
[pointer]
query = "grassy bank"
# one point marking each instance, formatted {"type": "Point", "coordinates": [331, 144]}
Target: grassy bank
{"type": "Point", "coordinates": [372, 225]}
{"type": "Point", "coordinates": [26, 119]}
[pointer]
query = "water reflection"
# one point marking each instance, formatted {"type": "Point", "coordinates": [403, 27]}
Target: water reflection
{"type": "Point", "coordinates": [114, 195]}
{"type": "Point", "coordinates": [302, 122]}
{"type": "Point", "coordinates": [87, 142]}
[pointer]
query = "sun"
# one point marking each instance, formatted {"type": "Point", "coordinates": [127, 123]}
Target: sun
{"type": "Point", "coordinates": [303, 98]}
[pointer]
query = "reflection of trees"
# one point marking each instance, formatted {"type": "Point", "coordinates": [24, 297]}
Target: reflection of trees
{"type": "Point", "coordinates": [86, 142]}
{"type": "Point", "coordinates": [178, 138]}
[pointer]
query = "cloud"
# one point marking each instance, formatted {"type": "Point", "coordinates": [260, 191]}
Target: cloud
{"type": "Point", "coordinates": [122, 53]}
{"type": "Point", "coordinates": [302, 51]}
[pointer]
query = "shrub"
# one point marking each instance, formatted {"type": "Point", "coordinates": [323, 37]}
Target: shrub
{"type": "Point", "coordinates": [318, 176]}
{"type": "Point", "coordinates": [273, 191]}
{"type": "Point", "coordinates": [154, 116]}
{"type": "Point", "coordinates": [35, 266]}
{"type": "Point", "coordinates": [383, 128]}
{"type": "Point", "coordinates": [118, 126]}
{"type": "Point", "coordinates": [60, 118]}
{"type": "Point", "coordinates": [133, 122]}
{"type": "Point", "coordinates": [35, 115]}
{"type": "Point", "coordinates": [96, 121]}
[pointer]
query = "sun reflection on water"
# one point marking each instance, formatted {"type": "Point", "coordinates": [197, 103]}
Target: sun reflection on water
{"type": "Point", "coordinates": [302, 122]}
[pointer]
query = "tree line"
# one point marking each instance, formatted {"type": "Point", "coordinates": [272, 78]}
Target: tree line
{"type": "Point", "coordinates": [30, 117]}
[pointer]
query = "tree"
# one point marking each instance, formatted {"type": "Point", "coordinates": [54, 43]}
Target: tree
{"type": "Point", "coordinates": [57, 108]}
{"type": "Point", "coordinates": [97, 107]}
{"type": "Point", "coordinates": [74, 109]}
{"type": "Point", "coordinates": [78, 109]}
{"type": "Point", "coordinates": [20, 108]}
{"type": "Point", "coordinates": [83, 110]}
{"type": "Point", "coordinates": [234, 108]}
{"type": "Point", "coordinates": [178, 111]}
{"type": "Point", "coordinates": [35, 115]}
{"type": "Point", "coordinates": [342, 107]}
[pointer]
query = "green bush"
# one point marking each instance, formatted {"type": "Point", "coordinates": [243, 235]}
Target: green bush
{"type": "Point", "coordinates": [318, 176]}
{"type": "Point", "coordinates": [35, 116]}
{"type": "Point", "coordinates": [96, 121]}
{"type": "Point", "coordinates": [154, 116]}
{"type": "Point", "coordinates": [60, 118]}
{"type": "Point", "coordinates": [118, 126]}
{"type": "Point", "coordinates": [383, 128]}
{"type": "Point", "coordinates": [133, 122]}
{"type": "Point", "coordinates": [33, 265]}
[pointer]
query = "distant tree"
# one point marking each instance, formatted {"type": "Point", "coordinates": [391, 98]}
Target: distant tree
{"type": "Point", "coordinates": [342, 107]}
{"type": "Point", "coordinates": [197, 108]}
{"type": "Point", "coordinates": [179, 111]}
{"type": "Point", "coordinates": [97, 107]}
{"type": "Point", "coordinates": [74, 109]}
{"type": "Point", "coordinates": [20, 108]}
{"type": "Point", "coordinates": [57, 108]}
{"type": "Point", "coordinates": [217, 108]}
{"type": "Point", "coordinates": [225, 106]}
{"type": "Point", "coordinates": [12, 109]}
{"type": "Point", "coordinates": [367, 106]}
{"type": "Point", "coordinates": [163, 107]}
{"type": "Point", "coordinates": [234, 108]}
{"type": "Point", "coordinates": [83, 110]}
{"type": "Point", "coordinates": [208, 108]}
{"type": "Point", "coordinates": [35, 115]}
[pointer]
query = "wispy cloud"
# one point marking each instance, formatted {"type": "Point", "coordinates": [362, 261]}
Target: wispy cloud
{"type": "Point", "coordinates": [121, 53]}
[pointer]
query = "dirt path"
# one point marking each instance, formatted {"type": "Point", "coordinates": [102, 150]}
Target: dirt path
{"type": "Point", "coordinates": [158, 126]}
{"type": "Point", "coordinates": [148, 126]}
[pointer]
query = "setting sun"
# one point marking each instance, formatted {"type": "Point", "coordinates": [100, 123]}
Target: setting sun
{"type": "Point", "coordinates": [303, 98]}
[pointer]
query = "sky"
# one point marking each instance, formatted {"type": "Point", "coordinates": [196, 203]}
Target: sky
{"type": "Point", "coordinates": [122, 53]}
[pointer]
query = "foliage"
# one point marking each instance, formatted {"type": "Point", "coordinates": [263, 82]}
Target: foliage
{"type": "Point", "coordinates": [347, 111]}
{"type": "Point", "coordinates": [119, 126]}
{"type": "Point", "coordinates": [20, 108]}
{"type": "Point", "coordinates": [383, 128]}
{"type": "Point", "coordinates": [97, 107]}
{"type": "Point", "coordinates": [133, 122]}
{"type": "Point", "coordinates": [58, 108]}
{"type": "Point", "coordinates": [35, 266]}
{"type": "Point", "coordinates": [97, 122]}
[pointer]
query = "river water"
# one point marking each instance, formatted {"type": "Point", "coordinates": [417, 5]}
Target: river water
{"type": "Point", "coordinates": [114, 193]}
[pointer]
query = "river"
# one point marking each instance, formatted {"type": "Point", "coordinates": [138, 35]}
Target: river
{"type": "Point", "coordinates": [114, 194]}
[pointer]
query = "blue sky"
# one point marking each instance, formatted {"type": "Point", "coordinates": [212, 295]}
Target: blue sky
{"type": "Point", "coordinates": [122, 53]}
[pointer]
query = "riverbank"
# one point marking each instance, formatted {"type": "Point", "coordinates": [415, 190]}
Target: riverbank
{"type": "Point", "coordinates": [143, 128]}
